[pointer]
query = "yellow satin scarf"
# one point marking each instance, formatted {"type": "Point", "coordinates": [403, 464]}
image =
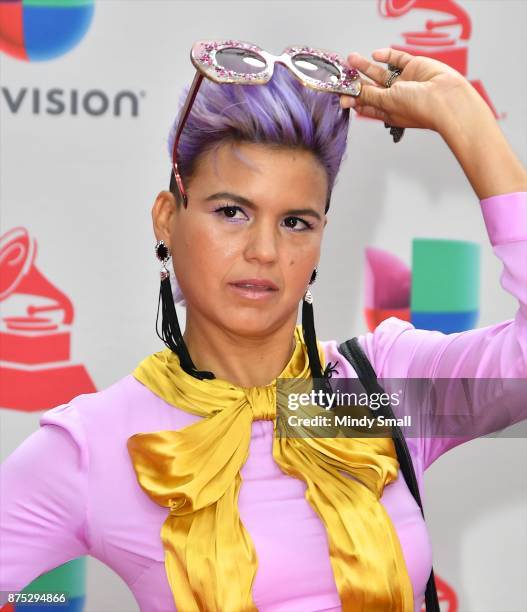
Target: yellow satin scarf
{"type": "Point", "coordinates": [210, 558]}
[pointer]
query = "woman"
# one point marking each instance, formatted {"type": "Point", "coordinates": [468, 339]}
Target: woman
{"type": "Point", "coordinates": [255, 521]}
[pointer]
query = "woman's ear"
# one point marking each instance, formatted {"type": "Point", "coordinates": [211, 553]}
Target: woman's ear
{"type": "Point", "coordinates": [163, 210]}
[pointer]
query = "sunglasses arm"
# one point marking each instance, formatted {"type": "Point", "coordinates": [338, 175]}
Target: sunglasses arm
{"type": "Point", "coordinates": [198, 78]}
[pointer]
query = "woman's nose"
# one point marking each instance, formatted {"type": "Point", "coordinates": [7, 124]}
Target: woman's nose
{"type": "Point", "coordinates": [262, 243]}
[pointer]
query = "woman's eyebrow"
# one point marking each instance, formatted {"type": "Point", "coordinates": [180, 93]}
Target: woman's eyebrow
{"type": "Point", "coordinates": [227, 195]}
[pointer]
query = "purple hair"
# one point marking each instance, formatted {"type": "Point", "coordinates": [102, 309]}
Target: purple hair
{"type": "Point", "coordinates": [282, 113]}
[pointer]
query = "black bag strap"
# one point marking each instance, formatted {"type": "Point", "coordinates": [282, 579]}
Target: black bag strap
{"type": "Point", "coordinates": [352, 351]}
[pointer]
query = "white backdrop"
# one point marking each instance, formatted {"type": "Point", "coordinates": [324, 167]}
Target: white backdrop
{"type": "Point", "coordinates": [83, 187]}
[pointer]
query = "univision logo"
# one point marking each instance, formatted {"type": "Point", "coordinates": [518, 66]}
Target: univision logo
{"type": "Point", "coordinates": [40, 30]}
{"type": "Point", "coordinates": [57, 101]}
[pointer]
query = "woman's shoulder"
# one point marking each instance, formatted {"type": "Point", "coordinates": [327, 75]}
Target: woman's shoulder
{"type": "Point", "coordinates": [111, 415]}
{"type": "Point", "coordinates": [105, 407]}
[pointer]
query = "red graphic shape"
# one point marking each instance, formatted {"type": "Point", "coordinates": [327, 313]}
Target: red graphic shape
{"type": "Point", "coordinates": [34, 347]}
{"type": "Point", "coordinates": [12, 30]}
{"type": "Point", "coordinates": [34, 390]}
{"type": "Point", "coordinates": [441, 46]}
{"type": "Point", "coordinates": [375, 316]}
{"type": "Point", "coordinates": [397, 8]}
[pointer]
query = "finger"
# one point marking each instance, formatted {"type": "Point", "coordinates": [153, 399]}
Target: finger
{"type": "Point", "coordinates": [392, 56]}
{"type": "Point", "coordinates": [377, 73]}
{"type": "Point", "coordinates": [349, 101]}
{"type": "Point", "coordinates": [379, 97]}
{"type": "Point", "coordinates": [372, 112]}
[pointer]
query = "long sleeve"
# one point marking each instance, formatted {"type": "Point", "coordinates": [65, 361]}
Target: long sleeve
{"type": "Point", "coordinates": [44, 500]}
{"type": "Point", "coordinates": [398, 350]}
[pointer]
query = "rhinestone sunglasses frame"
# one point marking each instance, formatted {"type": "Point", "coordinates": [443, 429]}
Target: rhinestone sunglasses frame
{"type": "Point", "coordinates": [203, 57]}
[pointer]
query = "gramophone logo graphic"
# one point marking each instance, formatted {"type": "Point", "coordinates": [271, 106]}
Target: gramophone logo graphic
{"type": "Point", "coordinates": [442, 39]}
{"type": "Point", "coordinates": [35, 333]}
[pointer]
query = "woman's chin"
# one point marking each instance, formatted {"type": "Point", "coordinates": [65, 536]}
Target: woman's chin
{"type": "Point", "coordinates": [251, 326]}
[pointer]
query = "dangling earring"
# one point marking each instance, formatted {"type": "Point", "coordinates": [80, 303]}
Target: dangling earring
{"type": "Point", "coordinates": [310, 338]}
{"type": "Point", "coordinates": [170, 330]}
{"type": "Point", "coordinates": [308, 329]}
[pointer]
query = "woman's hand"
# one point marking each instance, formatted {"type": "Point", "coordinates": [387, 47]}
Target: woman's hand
{"type": "Point", "coordinates": [421, 96]}
{"type": "Point", "coordinates": [429, 94]}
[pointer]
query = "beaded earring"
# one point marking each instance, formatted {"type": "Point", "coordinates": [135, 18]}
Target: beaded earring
{"type": "Point", "coordinates": [170, 330]}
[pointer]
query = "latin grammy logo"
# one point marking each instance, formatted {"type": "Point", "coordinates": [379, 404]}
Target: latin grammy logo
{"type": "Point", "coordinates": [35, 333]}
{"type": "Point", "coordinates": [434, 41]}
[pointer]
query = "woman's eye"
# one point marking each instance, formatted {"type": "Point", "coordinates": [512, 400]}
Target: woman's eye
{"type": "Point", "coordinates": [307, 225]}
{"type": "Point", "coordinates": [229, 211]}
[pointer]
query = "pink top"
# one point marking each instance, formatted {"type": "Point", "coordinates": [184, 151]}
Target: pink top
{"type": "Point", "coordinates": [70, 489]}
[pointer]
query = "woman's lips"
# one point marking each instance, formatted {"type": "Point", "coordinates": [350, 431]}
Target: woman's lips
{"type": "Point", "coordinates": [253, 292]}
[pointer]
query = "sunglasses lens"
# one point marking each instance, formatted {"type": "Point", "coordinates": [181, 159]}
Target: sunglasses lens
{"type": "Point", "coordinates": [316, 68]}
{"type": "Point", "coordinates": [240, 60]}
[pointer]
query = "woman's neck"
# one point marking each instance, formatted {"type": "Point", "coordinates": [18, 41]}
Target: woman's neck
{"type": "Point", "coordinates": [241, 359]}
